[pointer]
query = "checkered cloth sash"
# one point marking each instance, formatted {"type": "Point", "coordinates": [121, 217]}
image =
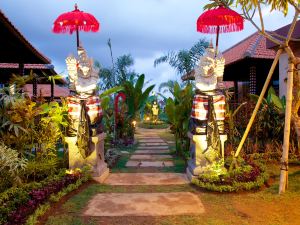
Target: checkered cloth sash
{"type": "Point", "coordinates": [92, 104]}
{"type": "Point", "coordinates": [200, 107]}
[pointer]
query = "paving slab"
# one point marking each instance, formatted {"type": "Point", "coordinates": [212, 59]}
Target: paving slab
{"type": "Point", "coordinates": [124, 152]}
{"type": "Point", "coordinates": [151, 141]}
{"type": "Point", "coordinates": [146, 179]}
{"type": "Point", "coordinates": [152, 147]}
{"type": "Point", "coordinates": [132, 163]}
{"type": "Point", "coordinates": [146, 137]}
{"type": "Point", "coordinates": [171, 142]}
{"type": "Point", "coordinates": [152, 151]}
{"type": "Point", "coordinates": [150, 157]}
{"type": "Point", "coordinates": [154, 144]}
{"type": "Point", "coordinates": [144, 204]}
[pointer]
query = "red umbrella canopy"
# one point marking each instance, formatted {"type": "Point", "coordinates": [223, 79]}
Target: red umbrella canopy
{"type": "Point", "coordinates": [220, 20]}
{"type": "Point", "coordinates": [76, 20]}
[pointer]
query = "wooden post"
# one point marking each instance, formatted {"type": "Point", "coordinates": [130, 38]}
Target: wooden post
{"type": "Point", "coordinates": [258, 102]}
{"type": "Point", "coordinates": [283, 184]}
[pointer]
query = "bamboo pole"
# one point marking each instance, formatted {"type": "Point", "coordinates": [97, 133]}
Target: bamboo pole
{"type": "Point", "coordinates": [258, 102]}
{"type": "Point", "coordinates": [283, 184]}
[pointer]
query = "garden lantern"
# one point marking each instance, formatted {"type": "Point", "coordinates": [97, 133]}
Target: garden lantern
{"type": "Point", "coordinates": [219, 20]}
{"type": "Point", "coordinates": [76, 20]}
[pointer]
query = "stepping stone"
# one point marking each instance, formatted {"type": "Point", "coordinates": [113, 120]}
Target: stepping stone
{"type": "Point", "coordinates": [151, 141]}
{"type": "Point", "coordinates": [146, 137]}
{"type": "Point", "coordinates": [157, 151]}
{"type": "Point", "coordinates": [153, 144]}
{"type": "Point", "coordinates": [171, 142]}
{"type": "Point", "coordinates": [144, 204]}
{"type": "Point", "coordinates": [150, 157]}
{"type": "Point", "coordinates": [152, 147]}
{"type": "Point", "coordinates": [131, 163]}
{"type": "Point", "coordinates": [146, 179]}
{"type": "Point", "coordinates": [124, 152]}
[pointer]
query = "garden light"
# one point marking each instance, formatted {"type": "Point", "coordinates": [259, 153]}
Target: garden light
{"type": "Point", "coordinates": [134, 123]}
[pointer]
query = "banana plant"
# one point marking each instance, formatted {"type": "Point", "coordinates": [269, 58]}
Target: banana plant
{"type": "Point", "coordinates": [269, 123]}
{"type": "Point", "coordinates": [178, 111]}
{"type": "Point", "coordinates": [135, 96]}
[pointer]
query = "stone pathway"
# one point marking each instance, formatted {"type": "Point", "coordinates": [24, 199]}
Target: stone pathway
{"type": "Point", "coordinates": [152, 152]}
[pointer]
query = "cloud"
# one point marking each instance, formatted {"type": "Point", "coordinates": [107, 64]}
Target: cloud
{"type": "Point", "coordinates": [142, 28]}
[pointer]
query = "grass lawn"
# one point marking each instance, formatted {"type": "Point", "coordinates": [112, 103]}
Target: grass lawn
{"type": "Point", "coordinates": [259, 207]}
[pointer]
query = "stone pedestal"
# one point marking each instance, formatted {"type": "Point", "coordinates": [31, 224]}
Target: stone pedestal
{"type": "Point", "coordinates": [199, 163]}
{"type": "Point", "coordinates": [95, 159]}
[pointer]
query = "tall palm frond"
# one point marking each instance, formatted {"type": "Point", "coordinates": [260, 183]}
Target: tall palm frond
{"type": "Point", "coordinates": [184, 60]}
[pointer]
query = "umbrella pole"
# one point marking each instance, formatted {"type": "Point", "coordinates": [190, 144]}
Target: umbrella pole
{"type": "Point", "coordinates": [217, 41]}
{"type": "Point", "coordinates": [77, 37]}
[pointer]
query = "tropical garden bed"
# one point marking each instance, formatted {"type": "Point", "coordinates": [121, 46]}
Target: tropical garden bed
{"type": "Point", "coordinates": [247, 176]}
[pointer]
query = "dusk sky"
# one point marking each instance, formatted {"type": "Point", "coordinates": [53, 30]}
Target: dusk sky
{"type": "Point", "coordinates": [146, 29]}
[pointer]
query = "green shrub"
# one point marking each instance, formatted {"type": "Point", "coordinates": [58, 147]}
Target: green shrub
{"type": "Point", "coordinates": [247, 176]}
{"type": "Point", "coordinates": [11, 166]}
{"type": "Point", "coordinates": [40, 169]}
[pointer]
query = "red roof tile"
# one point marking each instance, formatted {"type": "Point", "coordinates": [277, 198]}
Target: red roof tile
{"type": "Point", "coordinates": [45, 90]}
{"type": "Point", "coordinates": [253, 46]}
{"type": "Point", "coordinates": [26, 66]}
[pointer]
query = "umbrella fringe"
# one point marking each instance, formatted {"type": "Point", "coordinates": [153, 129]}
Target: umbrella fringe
{"type": "Point", "coordinates": [71, 29]}
{"type": "Point", "coordinates": [222, 29]}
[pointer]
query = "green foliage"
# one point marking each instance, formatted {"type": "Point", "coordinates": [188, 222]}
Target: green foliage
{"type": "Point", "coordinates": [269, 123]}
{"type": "Point", "coordinates": [184, 61]}
{"type": "Point", "coordinates": [11, 166]}
{"type": "Point", "coordinates": [41, 210]}
{"type": "Point", "coordinates": [178, 112]}
{"type": "Point", "coordinates": [245, 177]}
{"type": "Point", "coordinates": [135, 96]}
{"type": "Point", "coordinates": [40, 169]}
{"type": "Point", "coordinates": [33, 125]}
{"type": "Point", "coordinates": [231, 120]}
{"type": "Point", "coordinates": [118, 74]}
{"type": "Point", "coordinates": [248, 5]}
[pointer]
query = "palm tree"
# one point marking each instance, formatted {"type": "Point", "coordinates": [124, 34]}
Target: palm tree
{"type": "Point", "coordinates": [184, 60]}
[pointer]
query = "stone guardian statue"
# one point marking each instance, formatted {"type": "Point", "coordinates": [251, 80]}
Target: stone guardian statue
{"type": "Point", "coordinates": [206, 127]}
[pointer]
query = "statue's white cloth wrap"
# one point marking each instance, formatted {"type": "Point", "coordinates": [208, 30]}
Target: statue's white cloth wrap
{"type": "Point", "coordinates": [209, 70]}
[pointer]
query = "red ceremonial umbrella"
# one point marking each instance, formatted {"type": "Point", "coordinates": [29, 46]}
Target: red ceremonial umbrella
{"type": "Point", "coordinates": [219, 20]}
{"type": "Point", "coordinates": [76, 20]}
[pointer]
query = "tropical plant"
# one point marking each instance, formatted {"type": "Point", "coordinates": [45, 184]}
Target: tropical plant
{"type": "Point", "coordinates": [269, 123]}
{"type": "Point", "coordinates": [184, 60]}
{"type": "Point", "coordinates": [11, 167]}
{"type": "Point", "coordinates": [135, 96]}
{"type": "Point", "coordinates": [178, 111]}
{"type": "Point", "coordinates": [118, 73]}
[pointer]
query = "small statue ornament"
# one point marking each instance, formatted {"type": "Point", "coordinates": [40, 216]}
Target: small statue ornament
{"type": "Point", "coordinates": [155, 111]}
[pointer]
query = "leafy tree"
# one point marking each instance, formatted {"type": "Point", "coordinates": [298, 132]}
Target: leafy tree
{"type": "Point", "coordinates": [184, 60]}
